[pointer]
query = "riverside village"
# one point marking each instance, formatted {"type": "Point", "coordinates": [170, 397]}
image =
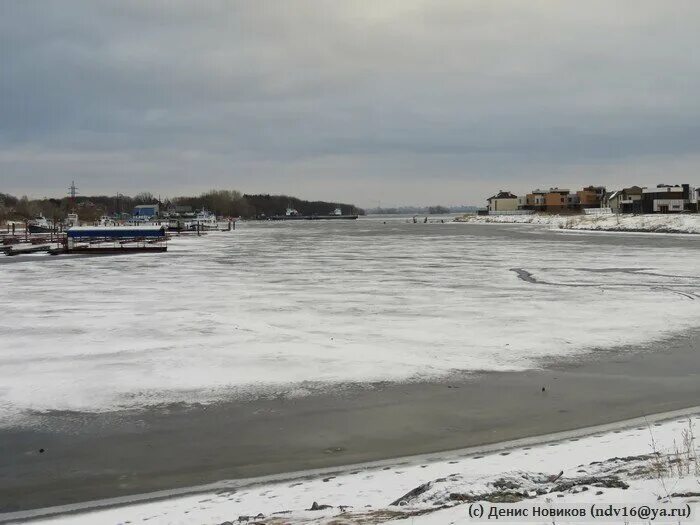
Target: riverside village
{"type": "Point", "coordinates": [148, 225]}
{"type": "Point", "coordinates": [665, 208]}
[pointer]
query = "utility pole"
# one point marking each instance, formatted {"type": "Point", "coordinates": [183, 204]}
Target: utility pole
{"type": "Point", "coordinates": [73, 191]}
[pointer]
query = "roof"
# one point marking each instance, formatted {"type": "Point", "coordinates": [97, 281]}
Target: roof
{"type": "Point", "coordinates": [503, 195]}
{"type": "Point", "coordinates": [633, 190]}
{"type": "Point", "coordinates": [116, 231]}
{"type": "Point", "coordinates": [663, 189]}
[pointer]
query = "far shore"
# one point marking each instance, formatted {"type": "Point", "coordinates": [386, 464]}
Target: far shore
{"type": "Point", "coordinates": [658, 223]}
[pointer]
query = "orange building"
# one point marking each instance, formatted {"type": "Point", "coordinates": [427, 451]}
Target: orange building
{"type": "Point", "coordinates": [590, 197]}
{"type": "Point", "coordinates": [535, 200]}
{"type": "Point", "coordinates": [556, 199]}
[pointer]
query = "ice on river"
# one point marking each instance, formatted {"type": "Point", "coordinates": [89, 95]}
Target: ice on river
{"type": "Point", "coordinates": [285, 307]}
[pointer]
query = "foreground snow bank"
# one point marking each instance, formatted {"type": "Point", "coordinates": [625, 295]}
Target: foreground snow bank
{"type": "Point", "coordinates": [647, 463]}
{"type": "Point", "coordinates": [685, 223]}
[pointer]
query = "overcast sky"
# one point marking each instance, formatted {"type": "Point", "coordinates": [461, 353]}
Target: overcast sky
{"type": "Point", "coordinates": [403, 102]}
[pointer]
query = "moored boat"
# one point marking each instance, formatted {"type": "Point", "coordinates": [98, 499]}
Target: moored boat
{"type": "Point", "coordinates": [40, 225]}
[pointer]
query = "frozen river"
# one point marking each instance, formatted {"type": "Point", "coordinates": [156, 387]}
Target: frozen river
{"type": "Point", "coordinates": [289, 308]}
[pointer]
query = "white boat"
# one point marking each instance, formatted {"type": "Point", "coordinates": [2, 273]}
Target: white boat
{"type": "Point", "coordinates": [204, 220]}
{"type": "Point", "coordinates": [73, 220]}
{"type": "Point", "coordinates": [107, 221]}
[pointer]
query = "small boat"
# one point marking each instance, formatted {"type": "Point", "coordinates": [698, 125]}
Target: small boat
{"type": "Point", "coordinates": [40, 225]}
{"type": "Point", "coordinates": [107, 221]}
{"type": "Point", "coordinates": [73, 220]}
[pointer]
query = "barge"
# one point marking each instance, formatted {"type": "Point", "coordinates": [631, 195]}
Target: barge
{"type": "Point", "coordinates": [293, 215]}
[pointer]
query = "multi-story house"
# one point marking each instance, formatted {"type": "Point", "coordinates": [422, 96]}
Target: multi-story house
{"type": "Point", "coordinates": [556, 200]}
{"type": "Point", "coordinates": [628, 200]}
{"type": "Point", "coordinates": [503, 201]}
{"type": "Point", "coordinates": [536, 200]}
{"type": "Point", "coordinates": [669, 199]}
{"type": "Point", "coordinates": [591, 196]}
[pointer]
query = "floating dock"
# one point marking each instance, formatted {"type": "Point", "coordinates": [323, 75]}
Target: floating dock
{"type": "Point", "coordinates": [21, 249]}
{"type": "Point", "coordinates": [105, 240]}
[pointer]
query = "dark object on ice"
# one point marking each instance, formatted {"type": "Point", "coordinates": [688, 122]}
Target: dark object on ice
{"type": "Point", "coordinates": [554, 477]}
{"type": "Point", "coordinates": [403, 500]}
{"type": "Point", "coordinates": [599, 493]}
{"type": "Point", "coordinates": [543, 389]}
{"type": "Point", "coordinates": [316, 506]}
{"type": "Point", "coordinates": [41, 451]}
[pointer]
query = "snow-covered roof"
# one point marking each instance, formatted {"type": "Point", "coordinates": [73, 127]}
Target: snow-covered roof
{"type": "Point", "coordinates": [116, 231]}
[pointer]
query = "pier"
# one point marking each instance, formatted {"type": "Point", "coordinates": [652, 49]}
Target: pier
{"type": "Point", "coordinates": [113, 240]}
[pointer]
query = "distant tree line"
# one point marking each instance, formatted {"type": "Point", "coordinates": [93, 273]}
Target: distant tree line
{"type": "Point", "coordinates": [228, 203]}
{"type": "Point", "coordinates": [430, 210]}
{"type": "Point", "coordinates": [268, 205]}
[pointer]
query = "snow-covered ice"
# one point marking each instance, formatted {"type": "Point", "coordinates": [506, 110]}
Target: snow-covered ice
{"type": "Point", "coordinates": [287, 307]}
{"type": "Point", "coordinates": [642, 462]}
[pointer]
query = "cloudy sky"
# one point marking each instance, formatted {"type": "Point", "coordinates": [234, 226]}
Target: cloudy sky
{"type": "Point", "coordinates": [403, 102]}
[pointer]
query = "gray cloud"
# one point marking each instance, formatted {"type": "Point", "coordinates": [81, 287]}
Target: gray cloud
{"type": "Point", "coordinates": [403, 101]}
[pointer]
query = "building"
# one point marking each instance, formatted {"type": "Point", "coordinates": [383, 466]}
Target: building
{"type": "Point", "coordinates": [556, 200]}
{"type": "Point", "coordinates": [145, 211]}
{"type": "Point", "coordinates": [503, 201]}
{"type": "Point", "coordinates": [591, 197]}
{"type": "Point", "coordinates": [573, 201]}
{"type": "Point", "coordinates": [179, 209]}
{"type": "Point", "coordinates": [535, 200]}
{"type": "Point", "coordinates": [553, 200]}
{"type": "Point", "coordinates": [669, 199]}
{"type": "Point", "coordinates": [627, 200]}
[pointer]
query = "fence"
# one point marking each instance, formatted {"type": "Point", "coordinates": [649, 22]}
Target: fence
{"type": "Point", "coordinates": [512, 212]}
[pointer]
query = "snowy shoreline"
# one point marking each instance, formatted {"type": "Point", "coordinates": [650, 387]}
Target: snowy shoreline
{"type": "Point", "coordinates": [639, 461]}
{"type": "Point", "coordinates": [683, 223]}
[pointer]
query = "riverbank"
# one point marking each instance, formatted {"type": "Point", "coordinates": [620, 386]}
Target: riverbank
{"type": "Point", "coordinates": [652, 460]}
{"type": "Point", "coordinates": [89, 456]}
{"type": "Point", "coordinates": [666, 223]}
